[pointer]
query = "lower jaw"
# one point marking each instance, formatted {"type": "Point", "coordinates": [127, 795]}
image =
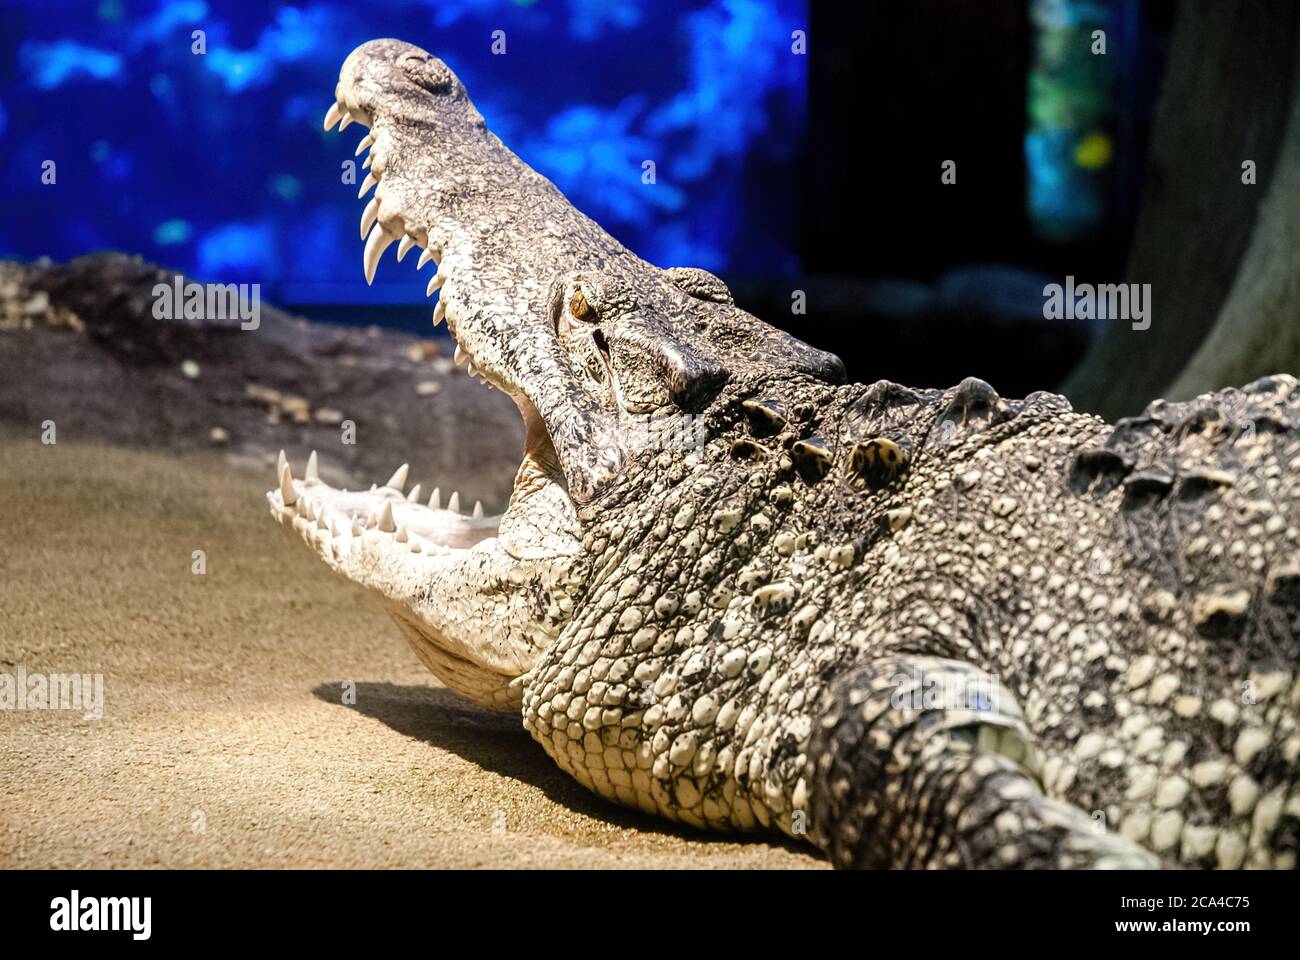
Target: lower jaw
{"type": "Point", "coordinates": [456, 584]}
{"type": "Point", "coordinates": [496, 691]}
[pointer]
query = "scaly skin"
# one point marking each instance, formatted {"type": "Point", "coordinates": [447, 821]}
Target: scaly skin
{"type": "Point", "coordinates": [915, 627]}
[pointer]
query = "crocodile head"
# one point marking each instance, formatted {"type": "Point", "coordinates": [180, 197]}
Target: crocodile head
{"type": "Point", "coordinates": [599, 350]}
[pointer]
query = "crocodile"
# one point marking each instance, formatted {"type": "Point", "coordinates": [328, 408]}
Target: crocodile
{"type": "Point", "coordinates": [912, 627]}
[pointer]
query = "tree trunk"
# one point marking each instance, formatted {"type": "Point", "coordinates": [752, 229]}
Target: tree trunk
{"type": "Point", "coordinates": [1258, 330]}
{"type": "Point", "coordinates": [1226, 98]}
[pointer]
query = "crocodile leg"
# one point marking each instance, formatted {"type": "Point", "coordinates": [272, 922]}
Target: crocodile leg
{"type": "Point", "coordinates": [926, 762]}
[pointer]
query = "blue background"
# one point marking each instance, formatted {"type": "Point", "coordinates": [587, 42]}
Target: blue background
{"type": "Point", "coordinates": [217, 165]}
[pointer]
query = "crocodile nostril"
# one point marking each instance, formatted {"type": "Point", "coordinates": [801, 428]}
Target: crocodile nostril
{"type": "Point", "coordinates": [428, 73]}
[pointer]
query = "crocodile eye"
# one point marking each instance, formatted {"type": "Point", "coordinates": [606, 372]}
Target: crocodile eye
{"type": "Point", "coordinates": [580, 309]}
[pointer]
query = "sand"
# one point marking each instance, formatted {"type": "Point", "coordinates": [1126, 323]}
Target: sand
{"type": "Point", "coordinates": [224, 740]}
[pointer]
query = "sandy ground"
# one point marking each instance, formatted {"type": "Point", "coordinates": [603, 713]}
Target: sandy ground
{"type": "Point", "coordinates": [224, 740]}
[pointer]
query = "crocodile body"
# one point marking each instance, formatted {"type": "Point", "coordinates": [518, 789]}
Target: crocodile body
{"type": "Point", "coordinates": [915, 627]}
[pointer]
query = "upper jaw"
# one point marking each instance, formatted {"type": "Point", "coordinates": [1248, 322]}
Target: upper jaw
{"type": "Point", "coordinates": [499, 233]}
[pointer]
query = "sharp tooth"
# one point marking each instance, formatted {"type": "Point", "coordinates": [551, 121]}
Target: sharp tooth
{"type": "Point", "coordinates": [301, 506]}
{"type": "Point", "coordinates": [435, 499]}
{"type": "Point", "coordinates": [366, 184]}
{"type": "Point", "coordinates": [386, 523]}
{"type": "Point", "coordinates": [424, 258]}
{"type": "Point", "coordinates": [439, 313]}
{"type": "Point", "coordinates": [478, 509]}
{"type": "Point", "coordinates": [471, 369]}
{"type": "Point", "coordinates": [414, 495]}
{"type": "Point", "coordinates": [356, 527]}
{"type": "Point", "coordinates": [398, 480]}
{"type": "Point", "coordinates": [320, 520]}
{"type": "Point", "coordinates": [435, 282]}
{"type": "Point", "coordinates": [376, 244]}
{"type": "Point", "coordinates": [454, 503]}
{"type": "Point", "coordinates": [312, 473]}
{"type": "Point", "coordinates": [415, 545]}
{"type": "Point", "coordinates": [460, 356]}
{"type": "Point", "coordinates": [332, 116]}
{"type": "Point", "coordinates": [287, 493]}
{"type": "Point", "coordinates": [365, 164]}
{"type": "Point", "coordinates": [367, 141]}
{"type": "Point", "coordinates": [401, 535]}
{"type": "Point", "coordinates": [369, 216]}
{"type": "Point", "coordinates": [405, 246]}
{"type": "Point", "coordinates": [347, 118]}
{"type": "Point", "coordinates": [279, 464]}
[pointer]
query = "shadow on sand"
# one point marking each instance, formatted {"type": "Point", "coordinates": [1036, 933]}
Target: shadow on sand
{"type": "Point", "coordinates": [499, 743]}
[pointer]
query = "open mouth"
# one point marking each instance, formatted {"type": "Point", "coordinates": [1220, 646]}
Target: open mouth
{"type": "Point", "coordinates": [423, 519]}
{"type": "Point", "coordinates": [436, 524]}
{"type": "Point", "coordinates": [319, 511]}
